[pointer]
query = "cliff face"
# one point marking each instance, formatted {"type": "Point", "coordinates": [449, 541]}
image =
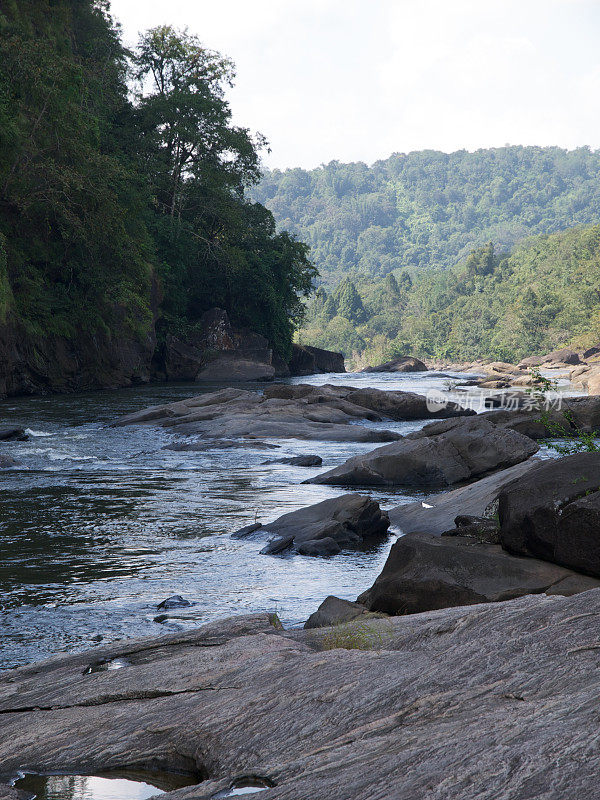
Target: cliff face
{"type": "Point", "coordinates": [32, 364]}
{"type": "Point", "coordinates": [43, 364]}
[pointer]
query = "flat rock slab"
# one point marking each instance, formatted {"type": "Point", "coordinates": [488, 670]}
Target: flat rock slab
{"type": "Point", "coordinates": [302, 411]}
{"type": "Point", "coordinates": [487, 702]}
{"type": "Point", "coordinates": [425, 572]}
{"type": "Point", "coordinates": [441, 454]}
{"type": "Point", "coordinates": [437, 512]}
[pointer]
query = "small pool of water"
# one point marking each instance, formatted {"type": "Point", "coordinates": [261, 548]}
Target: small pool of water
{"type": "Point", "coordinates": [244, 786]}
{"type": "Point", "coordinates": [109, 786]}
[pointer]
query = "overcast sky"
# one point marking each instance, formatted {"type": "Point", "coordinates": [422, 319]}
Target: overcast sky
{"type": "Point", "coordinates": [356, 80]}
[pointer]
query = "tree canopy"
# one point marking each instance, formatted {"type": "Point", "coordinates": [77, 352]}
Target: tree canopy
{"type": "Point", "coordinates": [104, 195]}
{"type": "Point", "coordinates": [542, 295]}
{"type": "Point", "coordinates": [429, 209]}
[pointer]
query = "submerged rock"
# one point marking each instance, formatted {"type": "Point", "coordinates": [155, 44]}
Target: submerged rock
{"type": "Point", "coordinates": [441, 454]}
{"type": "Point", "coordinates": [175, 601]}
{"type": "Point", "coordinates": [13, 434]}
{"type": "Point", "coordinates": [327, 527]}
{"type": "Point", "coordinates": [6, 462]}
{"type": "Point", "coordinates": [298, 461]}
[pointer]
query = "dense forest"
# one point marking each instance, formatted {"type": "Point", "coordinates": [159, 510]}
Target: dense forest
{"type": "Point", "coordinates": [430, 209]}
{"type": "Point", "coordinates": [543, 294]}
{"type": "Point", "coordinates": [123, 185]}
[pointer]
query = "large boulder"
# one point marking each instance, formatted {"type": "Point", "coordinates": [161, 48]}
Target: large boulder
{"type": "Point", "coordinates": [404, 405]}
{"type": "Point", "coordinates": [572, 415]}
{"type": "Point", "coordinates": [179, 360]}
{"type": "Point", "coordinates": [307, 360]}
{"type": "Point", "coordinates": [425, 572]}
{"type": "Point", "coordinates": [403, 364]}
{"type": "Point", "coordinates": [441, 454]}
{"type": "Point", "coordinates": [327, 527]}
{"type": "Point", "coordinates": [561, 358]}
{"type": "Point", "coordinates": [436, 514]}
{"type": "Point", "coordinates": [553, 512]}
{"type": "Point", "coordinates": [231, 367]}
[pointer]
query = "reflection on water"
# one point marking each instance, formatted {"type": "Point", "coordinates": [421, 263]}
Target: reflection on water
{"type": "Point", "coordinates": [110, 786]}
{"type": "Point", "coordinates": [100, 524]}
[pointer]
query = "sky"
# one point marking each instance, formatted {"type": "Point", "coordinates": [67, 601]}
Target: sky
{"type": "Point", "coordinates": [357, 80]}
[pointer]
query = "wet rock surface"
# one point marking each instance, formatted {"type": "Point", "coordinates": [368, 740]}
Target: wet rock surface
{"type": "Point", "coordinates": [327, 527]}
{"type": "Point", "coordinates": [441, 454]}
{"type": "Point", "coordinates": [298, 461]}
{"type": "Point", "coordinates": [13, 434]}
{"type": "Point", "coordinates": [486, 702]}
{"type": "Point", "coordinates": [425, 572]}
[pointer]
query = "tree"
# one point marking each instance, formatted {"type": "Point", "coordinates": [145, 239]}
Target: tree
{"type": "Point", "coordinates": [349, 303]}
{"type": "Point", "coordinates": [214, 246]}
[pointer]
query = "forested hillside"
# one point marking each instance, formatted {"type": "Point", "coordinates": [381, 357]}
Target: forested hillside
{"type": "Point", "coordinates": [542, 295]}
{"type": "Point", "coordinates": [122, 210]}
{"type": "Point", "coordinates": [430, 209]}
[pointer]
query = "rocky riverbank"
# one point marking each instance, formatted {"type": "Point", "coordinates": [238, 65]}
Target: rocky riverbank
{"type": "Point", "coordinates": [487, 702]}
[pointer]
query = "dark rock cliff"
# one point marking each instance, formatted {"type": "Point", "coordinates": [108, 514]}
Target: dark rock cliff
{"type": "Point", "coordinates": [217, 352]}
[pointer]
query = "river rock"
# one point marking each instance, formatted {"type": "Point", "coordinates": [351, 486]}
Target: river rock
{"type": "Point", "coordinates": [552, 512]}
{"type": "Point", "coordinates": [334, 611]}
{"type": "Point", "coordinates": [483, 529]}
{"type": "Point", "coordinates": [326, 527]}
{"type": "Point", "coordinates": [6, 462]}
{"type": "Point", "coordinates": [307, 360]}
{"type": "Point", "coordinates": [573, 414]}
{"type": "Point", "coordinates": [403, 364]}
{"type": "Point", "coordinates": [441, 454]}
{"type": "Point", "coordinates": [562, 358]}
{"type": "Point", "coordinates": [437, 512]}
{"type": "Point", "coordinates": [175, 601]}
{"type": "Point", "coordinates": [483, 702]}
{"type": "Point", "coordinates": [13, 434]}
{"type": "Point", "coordinates": [592, 352]}
{"type": "Point", "coordinates": [425, 572]}
{"type": "Point", "coordinates": [298, 461]}
{"type": "Point", "coordinates": [322, 413]}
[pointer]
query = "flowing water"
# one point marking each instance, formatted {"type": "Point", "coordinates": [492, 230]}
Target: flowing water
{"type": "Point", "coordinates": [100, 524]}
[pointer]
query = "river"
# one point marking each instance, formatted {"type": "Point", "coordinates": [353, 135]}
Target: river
{"type": "Point", "coordinates": [100, 524]}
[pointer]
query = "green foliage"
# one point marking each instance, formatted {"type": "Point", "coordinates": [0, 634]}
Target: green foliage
{"type": "Point", "coordinates": [571, 437]}
{"type": "Point", "coordinates": [99, 194]}
{"type": "Point", "coordinates": [429, 209]}
{"type": "Point", "coordinates": [358, 635]}
{"type": "Point", "coordinates": [541, 296]}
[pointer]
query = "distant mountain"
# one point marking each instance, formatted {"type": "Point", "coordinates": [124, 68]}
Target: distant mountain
{"type": "Point", "coordinates": [430, 209]}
